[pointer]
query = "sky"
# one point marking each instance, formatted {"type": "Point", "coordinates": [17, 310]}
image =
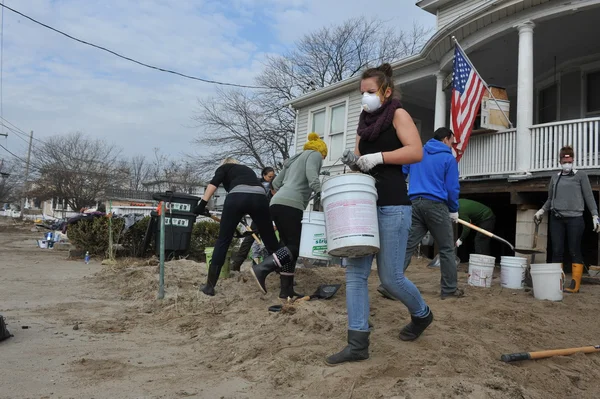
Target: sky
{"type": "Point", "coordinates": [54, 85]}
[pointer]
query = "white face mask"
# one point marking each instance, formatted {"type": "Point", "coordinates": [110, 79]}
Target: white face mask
{"type": "Point", "coordinates": [567, 167]}
{"type": "Point", "coordinates": [370, 102]}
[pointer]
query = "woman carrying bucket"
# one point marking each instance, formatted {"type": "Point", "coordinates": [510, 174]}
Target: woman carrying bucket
{"type": "Point", "coordinates": [568, 192]}
{"type": "Point", "coordinates": [387, 139]}
{"type": "Point", "coordinates": [293, 188]}
{"type": "Point", "coordinates": [245, 195]}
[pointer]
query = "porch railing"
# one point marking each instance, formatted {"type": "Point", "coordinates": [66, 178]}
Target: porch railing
{"type": "Point", "coordinates": [490, 154]}
{"type": "Point", "coordinates": [548, 138]}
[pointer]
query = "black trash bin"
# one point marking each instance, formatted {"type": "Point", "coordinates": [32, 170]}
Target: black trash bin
{"type": "Point", "coordinates": [179, 202]}
{"type": "Point", "coordinates": [179, 222]}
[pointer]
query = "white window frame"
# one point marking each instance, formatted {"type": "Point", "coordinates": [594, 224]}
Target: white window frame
{"type": "Point", "coordinates": [326, 135]}
{"type": "Point", "coordinates": [543, 85]}
{"type": "Point", "coordinates": [585, 71]}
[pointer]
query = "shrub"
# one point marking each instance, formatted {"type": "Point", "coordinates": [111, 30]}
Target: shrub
{"type": "Point", "coordinates": [92, 235]}
{"type": "Point", "coordinates": [133, 239]}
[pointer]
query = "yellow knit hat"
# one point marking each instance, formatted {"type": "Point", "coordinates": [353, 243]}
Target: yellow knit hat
{"type": "Point", "coordinates": [315, 143]}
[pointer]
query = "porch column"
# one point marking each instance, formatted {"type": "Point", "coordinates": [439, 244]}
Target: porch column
{"type": "Point", "coordinates": [440, 101]}
{"type": "Point", "coordinates": [524, 96]}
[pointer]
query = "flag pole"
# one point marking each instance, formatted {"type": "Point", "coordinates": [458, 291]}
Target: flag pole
{"type": "Point", "coordinates": [484, 82]}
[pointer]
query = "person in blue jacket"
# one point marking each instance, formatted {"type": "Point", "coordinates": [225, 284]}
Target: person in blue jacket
{"type": "Point", "coordinates": [433, 189]}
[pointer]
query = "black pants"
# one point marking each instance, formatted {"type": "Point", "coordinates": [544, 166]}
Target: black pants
{"type": "Point", "coordinates": [571, 228]}
{"type": "Point", "coordinates": [236, 206]}
{"type": "Point", "coordinates": [482, 242]}
{"type": "Point", "coordinates": [289, 224]}
{"type": "Point", "coordinates": [241, 255]}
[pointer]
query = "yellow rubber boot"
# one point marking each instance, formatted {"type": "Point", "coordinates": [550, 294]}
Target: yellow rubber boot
{"type": "Point", "coordinates": [576, 274]}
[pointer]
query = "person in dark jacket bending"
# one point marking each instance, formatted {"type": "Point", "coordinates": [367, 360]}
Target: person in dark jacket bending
{"type": "Point", "coordinates": [246, 195]}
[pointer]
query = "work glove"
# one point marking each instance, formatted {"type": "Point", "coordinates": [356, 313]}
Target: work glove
{"type": "Point", "coordinates": [200, 209]}
{"type": "Point", "coordinates": [454, 217]}
{"type": "Point", "coordinates": [369, 161]}
{"type": "Point", "coordinates": [458, 243]}
{"type": "Point", "coordinates": [538, 215]}
{"type": "Point", "coordinates": [349, 159]}
{"type": "Point", "coordinates": [596, 221]}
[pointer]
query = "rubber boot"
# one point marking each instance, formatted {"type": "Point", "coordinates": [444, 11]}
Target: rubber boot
{"type": "Point", "coordinates": [356, 350]}
{"type": "Point", "coordinates": [211, 279]}
{"type": "Point", "coordinates": [416, 327]}
{"type": "Point", "coordinates": [281, 260]}
{"type": "Point", "coordinates": [287, 287]}
{"type": "Point", "coordinates": [576, 274]}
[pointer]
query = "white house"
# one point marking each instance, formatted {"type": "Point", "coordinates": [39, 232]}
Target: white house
{"type": "Point", "coordinates": [544, 53]}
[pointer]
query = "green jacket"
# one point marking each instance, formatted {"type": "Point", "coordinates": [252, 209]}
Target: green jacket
{"type": "Point", "coordinates": [298, 179]}
{"type": "Point", "coordinates": [473, 212]}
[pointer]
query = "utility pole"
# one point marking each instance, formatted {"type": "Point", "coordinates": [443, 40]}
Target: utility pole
{"type": "Point", "coordinates": [25, 185]}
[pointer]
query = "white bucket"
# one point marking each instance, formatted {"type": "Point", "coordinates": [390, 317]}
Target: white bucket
{"type": "Point", "coordinates": [482, 259]}
{"type": "Point", "coordinates": [512, 271]}
{"type": "Point", "coordinates": [480, 274]}
{"type": "Point", "coordinates": [350, 204]}
{"type": "Point", "coordinates": [548, 279]}
{"type": "Point", "coordinates": [313, 241]}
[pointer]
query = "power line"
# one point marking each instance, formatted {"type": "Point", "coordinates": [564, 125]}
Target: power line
{"type": "Point", "coordinates": [130, 59]}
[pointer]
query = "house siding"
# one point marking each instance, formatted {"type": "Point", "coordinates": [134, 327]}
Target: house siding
{"type": "Point", "coordinates": [449, 13]}
{"type": "Point", "coordinates": [354, 105]}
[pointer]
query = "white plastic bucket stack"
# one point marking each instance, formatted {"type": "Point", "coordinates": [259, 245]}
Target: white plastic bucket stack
{"type": "Point", "coordinates": [481, 270]}
{"type": "Point", "coordinates": [512, 271]}
{"type": "Point", "coordinates": [350, 204]}
{"type": "Point", "coordinates": [313, 241]}
{"type": "Point", "coordinates": [548, 279]}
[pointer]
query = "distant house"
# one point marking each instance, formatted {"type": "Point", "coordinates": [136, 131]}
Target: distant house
{"type": "Point", "coordinates": [544, 54]}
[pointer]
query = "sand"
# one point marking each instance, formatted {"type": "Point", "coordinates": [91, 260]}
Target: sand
{"type": "Point", "coordinates": [99, 332]}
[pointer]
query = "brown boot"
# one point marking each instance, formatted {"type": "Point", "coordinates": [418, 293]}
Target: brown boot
{"type": "Point", "coordinates": [576, 274]}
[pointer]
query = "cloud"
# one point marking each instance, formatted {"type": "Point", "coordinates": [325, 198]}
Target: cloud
{"type": "Point", "coordinates": [54, 85]}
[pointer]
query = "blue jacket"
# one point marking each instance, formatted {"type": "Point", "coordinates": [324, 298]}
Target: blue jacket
{"type": "Point", "coordinates": [436, 176]}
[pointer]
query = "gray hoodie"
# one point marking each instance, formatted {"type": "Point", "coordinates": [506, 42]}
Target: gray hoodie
{"type": "Point", "coordinates": [298, 179]}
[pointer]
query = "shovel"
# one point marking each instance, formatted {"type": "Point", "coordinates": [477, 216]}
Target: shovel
{"type": "Point", "coordinates": [527, 251]}
{"type": "Point", "coordinates": [325, 291]}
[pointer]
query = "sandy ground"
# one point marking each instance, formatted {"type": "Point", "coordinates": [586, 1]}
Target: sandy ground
{"type": "Point", "coordinates": [127, 344]}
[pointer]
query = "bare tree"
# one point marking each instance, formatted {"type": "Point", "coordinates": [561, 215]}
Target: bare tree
{"type": "Point", "coordinates": [244, 127]}
{"type": "Point", "coordinates": [176, 175]}
{"type": "Point", "coordinates": [140, 171]}
{"type": "Point", "coordinates": [10, 181]}
{"type": "Point", "coordinates": [77, 169]}
{"type": "Point", "coordinates": [257, 127]}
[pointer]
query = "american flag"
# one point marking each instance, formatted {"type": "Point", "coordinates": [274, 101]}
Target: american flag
{"type": "Point", "coordinates": [467, 91]}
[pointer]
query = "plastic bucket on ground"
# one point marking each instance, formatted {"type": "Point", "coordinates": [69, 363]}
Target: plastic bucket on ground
{"type": "Point", "coordinates": [481, 270]}
{"type": "Point", "coordinates": [548, 280]}
{"type": "Point", "coordinates": [42, 244]}
{"type": "Point", "coordinates": [512, 271]}
{"type": "Point", "coordinates": [208, 251]}
{"type": "Point", "coordinates": [482, 259]}
{"type": "Point", "coordinates": [350, 204]}
{"type": "Point", "coordinates": [313, 241]}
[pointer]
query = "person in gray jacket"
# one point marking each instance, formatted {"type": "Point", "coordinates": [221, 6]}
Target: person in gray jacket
{"type": "Point", "coordinates": [293, 188]}
{"type": "Point", "coordinates": [568, 192]}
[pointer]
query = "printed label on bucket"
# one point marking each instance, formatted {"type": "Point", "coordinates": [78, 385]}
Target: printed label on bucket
{"type": "Point", "coordinates": [319, 247]}
{"type": "Point", "coordinates": [345, 217]}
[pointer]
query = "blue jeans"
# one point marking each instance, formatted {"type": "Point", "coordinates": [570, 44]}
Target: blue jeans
{"type": "Point", "coordinates": [394, 226]}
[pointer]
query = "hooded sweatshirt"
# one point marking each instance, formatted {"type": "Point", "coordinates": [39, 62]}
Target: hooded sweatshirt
{"type": "Point", "coordinates": [298, 179]}
{"type": "Point", "coordinates": [436, 176]}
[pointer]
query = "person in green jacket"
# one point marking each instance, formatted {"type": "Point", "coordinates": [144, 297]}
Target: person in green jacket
{"type": "Point", "coordinates": [481, 216]}
{"type": "Point", "coordinates": [293, 187]}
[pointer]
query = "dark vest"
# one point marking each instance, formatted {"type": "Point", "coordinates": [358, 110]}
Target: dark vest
{"type": "Point", "coordinates": [390, 183]}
